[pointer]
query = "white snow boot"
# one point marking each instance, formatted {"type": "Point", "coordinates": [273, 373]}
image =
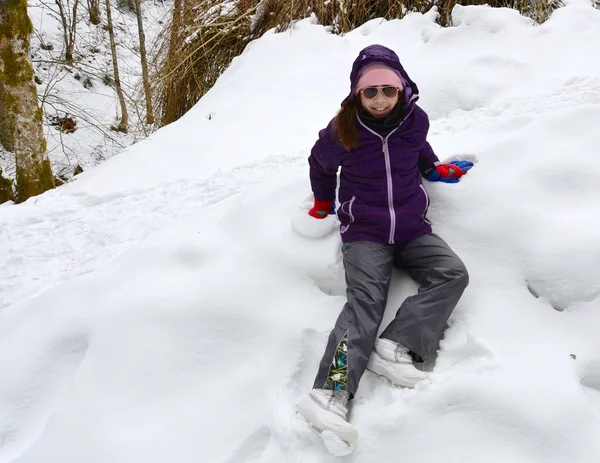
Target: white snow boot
{"type": "Point", "coordinates": [395, 363]}
{"type": "Point", "coordinates": [325, 410]}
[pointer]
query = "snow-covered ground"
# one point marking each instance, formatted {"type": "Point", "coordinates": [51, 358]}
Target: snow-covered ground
{"type": "Point", "coordinates": [162, 307]}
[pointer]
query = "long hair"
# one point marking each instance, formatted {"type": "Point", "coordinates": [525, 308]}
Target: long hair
{"type": "Point", "coordinates": [346, 126]}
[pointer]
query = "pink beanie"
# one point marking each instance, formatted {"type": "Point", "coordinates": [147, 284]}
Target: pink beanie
{"type": "Point", "coordinates": [378, 74]}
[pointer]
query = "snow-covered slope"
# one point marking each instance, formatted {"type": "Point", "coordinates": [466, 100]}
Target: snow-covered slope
{"type": "Point", "coordinates": [162, 308]}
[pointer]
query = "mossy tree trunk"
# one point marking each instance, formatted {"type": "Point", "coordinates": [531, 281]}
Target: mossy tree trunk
{"type": "Point", "coordinates": [21, 130]}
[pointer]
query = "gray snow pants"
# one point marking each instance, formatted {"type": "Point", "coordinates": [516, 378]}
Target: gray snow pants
{"type": "Point", "coordinates": [421, 319]}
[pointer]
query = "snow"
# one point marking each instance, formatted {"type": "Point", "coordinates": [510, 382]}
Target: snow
{"type": "Point", "coordinates": [169, 306]}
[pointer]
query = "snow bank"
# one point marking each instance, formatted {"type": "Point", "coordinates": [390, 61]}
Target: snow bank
{"type": "Point", "coordinates": [196, 342]}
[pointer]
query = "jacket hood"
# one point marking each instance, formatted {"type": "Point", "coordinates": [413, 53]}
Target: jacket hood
{"type": "Point", "coordinates": [380, 54]}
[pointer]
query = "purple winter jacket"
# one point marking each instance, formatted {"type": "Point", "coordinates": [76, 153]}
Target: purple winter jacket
{"type": "Point", "coordinates": [381, 193]}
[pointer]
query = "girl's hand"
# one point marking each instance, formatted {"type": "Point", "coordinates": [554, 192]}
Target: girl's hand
{"type": "Point", "coordinates": [451, 172]}
{"type": "Point", "coordinates": [322, 209]}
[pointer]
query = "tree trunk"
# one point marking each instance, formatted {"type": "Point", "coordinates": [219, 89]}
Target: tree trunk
{"type": "Point", "coordinates": [6, 191]}
{"type": "Point", "coordinates": [65, 26]}
{"type": "Point", "coordinates": [69, 27]}
{"type": "Point", "coordinates": [122, 127]}
{"type": "Point", "coordinates": [148, 95]}
{"type": "Point", "coordinates": [176, 24]}
{"type": "Point", "coordinates": [73, 28]}
{"type": "Point", "coordinates": [21, 130]}
{"type": "Point", "coordinates": [94, 10]}
{"type": "Point", "coordinates": [170, 104]}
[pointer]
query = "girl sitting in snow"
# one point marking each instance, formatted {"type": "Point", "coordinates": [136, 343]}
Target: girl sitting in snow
{"type": "Point", "coordinates": [379, 140]}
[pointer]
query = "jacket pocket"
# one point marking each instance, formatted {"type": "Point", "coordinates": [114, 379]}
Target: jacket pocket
{"type": "Point", "coordinates": [346, 215]}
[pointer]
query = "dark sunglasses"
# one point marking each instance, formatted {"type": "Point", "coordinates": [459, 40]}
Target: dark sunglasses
{"type": "Point", "coordinates": [371, 92]}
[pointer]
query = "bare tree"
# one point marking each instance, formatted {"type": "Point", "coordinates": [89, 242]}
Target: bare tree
{"type": "Point", "coordinates": [69, 23]}
{"type": "Point", "coordinates": [21, 131]}
{"type": "Point", "coordinates": [122, 127]}
{"type": "Point", "coordinates": [147, 94]}
{"type": "Point", "coordinates": [94, 10]}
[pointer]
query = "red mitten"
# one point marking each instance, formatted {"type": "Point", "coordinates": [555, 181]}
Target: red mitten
{"type": "Point", "coordinates": [450, 171]}
{"type": "Point", "coordinates": [321, 209]}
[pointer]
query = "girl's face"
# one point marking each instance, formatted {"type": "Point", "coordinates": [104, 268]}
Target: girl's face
{"type": "Point", "coordinates": [380, 105]}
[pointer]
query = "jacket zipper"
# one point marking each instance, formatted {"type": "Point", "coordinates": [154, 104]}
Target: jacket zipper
{"type": "Point", "coordinates": [426, 204]}
{"type": "Point", "coordinates": [344, 229]}
{"type": "Point", "coordinates": [388, 171]}
{"type": "Point", "coordinates": [390, 188]}
{"type": "Point", "coordinates": [426, 200]}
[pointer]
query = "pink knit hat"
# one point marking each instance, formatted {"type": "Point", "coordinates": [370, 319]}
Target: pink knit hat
{"type": "Point", "coordinates": [378, 74]}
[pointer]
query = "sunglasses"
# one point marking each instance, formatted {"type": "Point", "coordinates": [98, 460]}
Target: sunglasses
{"type": "Point", "coordinates": [371, 92]}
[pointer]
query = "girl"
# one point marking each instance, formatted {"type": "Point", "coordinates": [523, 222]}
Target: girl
{"type": "Point", "coordinates": [378, 138]}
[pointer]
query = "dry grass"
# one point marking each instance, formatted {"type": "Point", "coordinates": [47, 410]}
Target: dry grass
{"type": "Point", "coordinates": [205, 35]}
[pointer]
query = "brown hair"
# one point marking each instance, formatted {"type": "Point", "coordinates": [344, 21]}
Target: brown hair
{"type": "Point", "coordinates": [345, 124]}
